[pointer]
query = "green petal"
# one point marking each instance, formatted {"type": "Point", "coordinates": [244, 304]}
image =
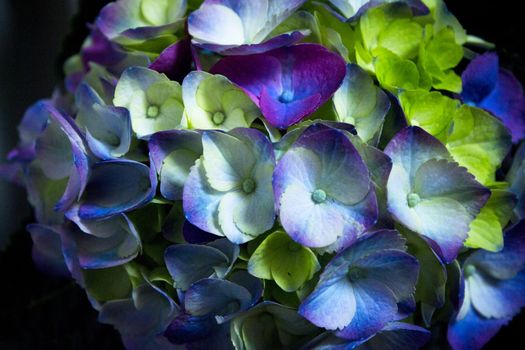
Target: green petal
{"type": "Point", "coordinates": [429, 110]}
{"type": "Point", "coordinates": [280, 259]}
{"type": "Point", "coordinates": [479, 142]}
{"type": "Point", "coordinates": [486, 231]}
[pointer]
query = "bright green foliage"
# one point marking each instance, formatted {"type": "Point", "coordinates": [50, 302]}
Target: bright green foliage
{"type": "Point", "coordinates": [429, 110]}
{"type": "Point", "coordinates": [479, 142]}
{"type": "Point", "coordinates": [280, 259]}
{"type": "Point", "coordinates": [437, 56]}
{"type": "Point", "coordinates": [486, 231]}
{"type": "Point", "coordinates": [407, 52]}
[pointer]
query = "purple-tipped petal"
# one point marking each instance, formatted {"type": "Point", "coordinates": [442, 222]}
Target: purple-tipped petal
{"type": "Point", "coordinates": [287, 83]}
{"type": "Point", "coordinates": [320, 185]}
{"type": "Point", "coordinates": [117, 186]}
{"type": "Point", "coordinates": [430, 195]}
{"type": "Point", "coordinates": [241, 27]}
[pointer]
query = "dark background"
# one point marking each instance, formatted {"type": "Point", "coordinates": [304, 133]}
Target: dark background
{"type": "Point", "coordinates": [42, 312]}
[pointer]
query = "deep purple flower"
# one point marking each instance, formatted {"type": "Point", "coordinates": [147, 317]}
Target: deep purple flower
{"type": "Point", "coordinates": [287, 84]}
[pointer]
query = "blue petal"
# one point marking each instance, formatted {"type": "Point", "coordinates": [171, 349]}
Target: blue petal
{"type": "Point", "coordinates": [188, 263]}
{"type": "Point", "coordinates": [117, 186]}
{"type": "Point", "coordinates": [375, 308]}
{"type": "Point", "coordinates": [480, 78]}
{"type": "Point", "coordinates": [473, 331]}
{"type": "Point", "coordinates": [217, 297]}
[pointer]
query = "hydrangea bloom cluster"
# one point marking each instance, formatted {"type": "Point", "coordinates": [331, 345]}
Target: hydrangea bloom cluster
{"type": "Point", "coordinates": [282, 174]}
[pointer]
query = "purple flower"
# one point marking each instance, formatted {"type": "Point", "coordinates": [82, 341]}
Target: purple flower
{"type": "Point", "coordinates": [241, 27]}
{"type": "Point", "coordinates": [288, 83]}
{"type": "Point", "coordinates": [359, 291]}
{"type": "Point", "coordinates": [496, 90]}
{"type": "Point", "coordinates": [323, 189]}
{"type": "Point", "coordinates": [430, 194]}
{"type": "Point", "coordinates": [493, 292]}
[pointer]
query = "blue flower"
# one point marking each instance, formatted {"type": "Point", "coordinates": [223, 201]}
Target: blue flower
{"type": "Point", "coordinates": [493, 292]}
{"type": "Point", "coordinates": [359, 290]}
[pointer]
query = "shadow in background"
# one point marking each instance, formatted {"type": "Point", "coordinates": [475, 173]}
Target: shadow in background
{"type": "Point", "coordinates": [41, 312]}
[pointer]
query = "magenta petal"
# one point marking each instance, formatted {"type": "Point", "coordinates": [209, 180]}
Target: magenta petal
{"type": "Point", "coordinates": [287, 83]}
{"type": "Point", "coordinates": [175, 61]}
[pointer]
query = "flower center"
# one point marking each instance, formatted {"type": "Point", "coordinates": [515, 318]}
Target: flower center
{"type": "Point", "coordinates": [355, 273]}
{"type": "Point", "coordinates": [218, 118]}
{"type": "Point", "coordinates": [286, 96]}
{"type": "Point", "coordinates": [318, 196]}
{"type": "Point", "coordinates": [248, 186]}
{"type": "Point", "coordinates": [153, 111]}
{"type": "Point", "coordinates": [413, 199]}
{"type": "Point", "coordinates": [469, 270]}
{"type": "Point", "coordinates": [294, 247]}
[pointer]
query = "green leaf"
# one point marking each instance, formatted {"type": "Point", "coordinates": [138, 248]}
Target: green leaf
{"type": "Point", "coordinates": [486, 231]}
{"type": "Point", "coordinates": [108, 284]}
{"type": "Point", "coordinates": [286, 262]}
{"type": "Point", "coordinates": [479, 142]}
{"type": "Point", "coordinates": [429, 110]}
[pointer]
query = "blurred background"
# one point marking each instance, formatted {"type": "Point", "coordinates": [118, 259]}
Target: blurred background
{"type": "Point", "coordinates": [36, 36]}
